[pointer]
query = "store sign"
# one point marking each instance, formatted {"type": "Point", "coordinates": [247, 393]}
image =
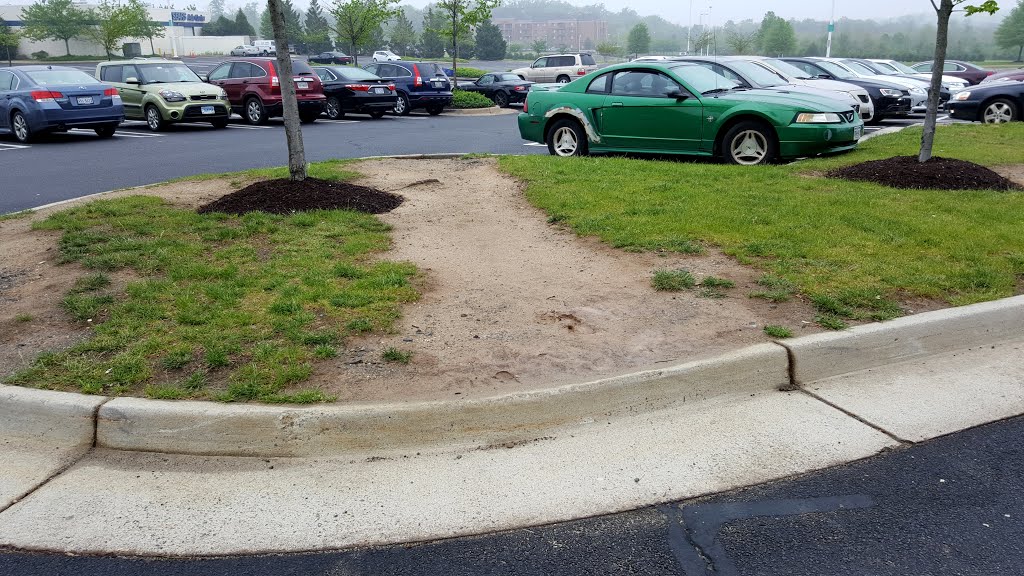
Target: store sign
{"type": "Point", "coordinates": [187, 17]}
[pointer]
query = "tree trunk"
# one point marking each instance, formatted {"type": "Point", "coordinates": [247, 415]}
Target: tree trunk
{"type": "Point", "coordinates": [355, 55]}
{"type": "Point", "coordinates": [67, 46]}
{"type": "Point", "coordinates": [941, 40]}
{"type": "Point", "coordinates": [1020, 53]}
{"type": "Point", "coordinates": [152, 50]}
{"type": "Point", "coordinates": [455, 50]}
{"type": "Point", "coordinates": [292, 127]}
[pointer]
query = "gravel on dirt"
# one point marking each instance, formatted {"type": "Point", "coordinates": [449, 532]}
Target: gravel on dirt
{"type": "Point", "coordinates": [284, 196]}
{"type": "Point", "coordinates": [936, 174]}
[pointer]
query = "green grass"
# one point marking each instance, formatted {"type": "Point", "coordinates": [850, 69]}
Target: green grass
{"type": "Point", "coordinates": [16, 215]}
{"type": "Point", "coordinates": [223, 307]}
{"type": "Point", "coordinates": [854, 248]}
{"type": "Point", "coordinates": [778, 331]}
{"type": "Point", "coordinates": [396, 355]}
{"type": "Point", "coordinates": [326, 170]}
{"type": "Point", "coordinates": [672, 280]}
{"type": "Point", "coordinates": [23, 318]}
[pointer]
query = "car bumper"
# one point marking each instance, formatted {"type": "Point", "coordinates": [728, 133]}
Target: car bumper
{"type": "Point", "coordinates": [531, 127]}
{"type": "Point", "coordinates": [51, 116]}
{"type": "Point", "coordinates": [306, 105]}
{"type": "Point", "coordinates": [798, 140]}
{"type": "Point", "coordinates": [516, 97]}
{"type": "Point", "coordinates": [965, 110]}
{"type": "Point", "coordinates": [191, 110]}
{"type": "Point", "coordinates": [891, 106]}
{"type": "Point", "coordinates": [359, 104]}
{"type": "Point", "coordinates": [423, 100]}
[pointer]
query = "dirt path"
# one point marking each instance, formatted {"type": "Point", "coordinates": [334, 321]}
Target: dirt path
{"type": "Point", "coordinates": [512, 303]}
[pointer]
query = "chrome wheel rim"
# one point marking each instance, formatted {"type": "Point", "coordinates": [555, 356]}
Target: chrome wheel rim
{"type": "Point", "coordinates": [998, 113]}
{"type": "Point", "coordinates": [153, 118]}
{"type": "Point", "coordinates": [332, 108]}
{"type": "Point", "coordinates": [20, 127]}
{"type": "Point", "coordinates": [501, 100]}
{"type": "Point", "coordinates": [565, 142]}
{"type": "Point", "coordinates": [400, 105]}
{"type": "Point", "coordinates": [749, 147]}
{"type": "Point", "coordinates": [563, 80]}
{"type": "Point", "coordinates": [254, 111]}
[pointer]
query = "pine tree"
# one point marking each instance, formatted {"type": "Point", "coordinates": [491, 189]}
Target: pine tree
{"type": "Point", "coordinates": [318, 33]}
{"type": "Point", "coordinates": [431, 42]}
{"type": "Point", "coordinates": [216, 9]}
{"type": "Point", "coordinates": [242, 25]}
{"type": "Point", "coordinates": [490, 45]}
{"type": "Point", "coordinates": [403, 35]}
{"type": "Point", "coordinates": [1010, 33]}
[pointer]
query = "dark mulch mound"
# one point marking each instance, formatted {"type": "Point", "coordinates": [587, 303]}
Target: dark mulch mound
{"type": "Point", "coordinates": [284, 197]}
{"type": "Point", "coordinates": [937, 174]}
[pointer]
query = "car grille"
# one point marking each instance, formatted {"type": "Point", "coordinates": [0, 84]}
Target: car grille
{"type": "Point", "coordinates": [204, 97]}
{"type": "Point", "coordinates": [848, 116]}
{"type": "Point", "coordinates": [197, 112]}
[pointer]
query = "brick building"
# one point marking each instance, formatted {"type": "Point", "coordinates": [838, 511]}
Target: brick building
{"type": "Point", "coordinates": [573, 34]}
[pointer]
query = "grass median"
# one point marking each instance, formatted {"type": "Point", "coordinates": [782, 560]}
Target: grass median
{"type": "Point", "coordinates": [216, 306]}
{"type": "Point", "coordinates": [856, 250]}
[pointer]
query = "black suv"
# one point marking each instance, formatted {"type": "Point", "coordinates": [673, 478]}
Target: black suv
{"type": "Point", "coordinates": [418, 84]}
{"type": "Point", "coordinates": [890, 99]}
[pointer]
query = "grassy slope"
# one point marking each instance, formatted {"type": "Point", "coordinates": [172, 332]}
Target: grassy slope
{"type": "Point", "coordinates": [854, 248]}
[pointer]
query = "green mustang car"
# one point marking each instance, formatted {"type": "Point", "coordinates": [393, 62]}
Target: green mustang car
{"type": "Point", "coordinates": [683, 108]}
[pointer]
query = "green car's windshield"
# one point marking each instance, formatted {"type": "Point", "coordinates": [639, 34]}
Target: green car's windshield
{"type": "Point", "coordinates": [54, 77]}
{"type": "Point", "coordinates": [702, 79]}
{"type": "Point", "coordinates": [757, 75]}
{"type": "Point", "coordinates": [166, 73]}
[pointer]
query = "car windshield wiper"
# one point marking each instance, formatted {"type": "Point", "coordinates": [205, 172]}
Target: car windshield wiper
{"type": "Point", "coordinates": [715, 91]}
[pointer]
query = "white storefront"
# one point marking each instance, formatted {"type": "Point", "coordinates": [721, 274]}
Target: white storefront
{"type": "Point", "coordinates": [182, 36]}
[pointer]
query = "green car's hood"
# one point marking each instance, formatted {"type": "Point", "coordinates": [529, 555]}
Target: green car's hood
{"type": "Point", "coordinates": [186, 88]}
{"type": "Point", "coordinates": [778, 97]}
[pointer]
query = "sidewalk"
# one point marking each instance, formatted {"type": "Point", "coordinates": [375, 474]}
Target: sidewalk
{"type": "Point", "coordinates": [130, 502]}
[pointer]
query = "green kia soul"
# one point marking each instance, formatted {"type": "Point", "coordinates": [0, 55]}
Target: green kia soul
{"type": "Point", "coordinates": [165, 91]}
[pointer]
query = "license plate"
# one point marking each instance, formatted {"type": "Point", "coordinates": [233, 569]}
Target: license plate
{"type": "Point", "coordinates": [208, 110]}
{"type": "Point", "coordinates": [85, 100]}
{"type": "Point", "coordinates": [379, 91]}
{"type": "Point", "coordinates": [437, 84]}
{"type": "Point", "coordinates": [302, 85]}
{"type": "Point", "coordinates": [857, 132]}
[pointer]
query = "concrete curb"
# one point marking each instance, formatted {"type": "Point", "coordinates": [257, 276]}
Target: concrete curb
{"type": "Point", "coordinates": [872, 345]}
{"type": "Point", "coordinates": [205, 428]}
{"type": "Point", "coordinates": [41, 415]}
{"type": "Point", "coordinates": [492, 111]}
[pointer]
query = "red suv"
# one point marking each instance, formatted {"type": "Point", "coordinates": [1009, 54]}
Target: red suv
{"type": "Point", "coordinates": [254, 88]}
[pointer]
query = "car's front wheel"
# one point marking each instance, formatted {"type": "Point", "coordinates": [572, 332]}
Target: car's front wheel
{"type": "Point", "coordinates": [154, 120]}
{"type": "Point", "coordinates": [567, 138]}
{"type": "Point", "coordinates": [106, 131]}
{"type": "Point", "coordinates": [333, 108]}
{"type": "Point", "coordinates": [20, 127]}
{"type": "Point", "coordinates": [255, 113]}
{"type": "Point", "coordinates": [402, 107]}
{"type": "Point", "coordinates": [377, 114]}
{"type": "Point", "coordinates": [749, 144]}
{"type": "Point", "coordinates": [308, 117]}
{"type": "Point", "coordinates": [501, 99]}
{"type": "Point", "coordinates": [999, 111]}
{"type": "Point", "coordinates": [435, 110]}
{"type": "Point", "coordinates": [562, 80]}
{"type": "Point", "coordinates": [220, 123]}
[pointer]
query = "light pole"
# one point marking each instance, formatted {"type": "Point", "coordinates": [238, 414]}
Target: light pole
{"type": "Point", "coordinates": [689, 29]}
{"type": "Point", "coordinates": [831, 28]}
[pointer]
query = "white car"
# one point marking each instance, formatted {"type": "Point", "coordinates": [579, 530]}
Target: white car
{"type": "Point", "coordinates": [917, 88]}
{"type": "Point", "coordinates": [385, 56]}
{"type": "Point", "coordinates": [797, 77]}
{"type": "Point", "coordinates": [245, 50]}
{"type": "Point", "coordinates": [951, 83]}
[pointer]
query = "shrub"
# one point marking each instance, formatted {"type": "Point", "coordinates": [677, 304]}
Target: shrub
{"type": "Point", "coordinates": [41, 55]}
{"type": "Point", "coordinates": [463, 99]}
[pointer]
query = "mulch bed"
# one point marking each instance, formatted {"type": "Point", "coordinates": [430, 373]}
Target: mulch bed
{"type": "Point", "coordinates": [285, 197]}
{"type": "Point", "coordinates": [935, 174]}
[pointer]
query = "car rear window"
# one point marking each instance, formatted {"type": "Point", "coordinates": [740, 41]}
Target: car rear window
{"type": "Point", "coordinates": [54, 77]}
{"type": "Point", "coordinates": [301, 67]}
{"type": "Point", "coordinates": [430, 70]}
{"type": "Point", "coordinates": [587, 60]}
{"type": "Point", "coordinates": [354, 74]}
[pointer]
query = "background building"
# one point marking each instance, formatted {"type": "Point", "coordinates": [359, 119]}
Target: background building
{"type": "Point", "coordinates": [573, 34]}
{"type": "Point", "coordinates": [182, 35]}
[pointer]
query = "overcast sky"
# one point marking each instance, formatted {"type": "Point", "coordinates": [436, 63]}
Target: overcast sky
{"type": "Point", "coordinates": [722, 10]}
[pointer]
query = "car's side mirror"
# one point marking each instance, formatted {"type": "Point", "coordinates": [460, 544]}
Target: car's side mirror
{"type": "Point", "coordinates": [676, 93]}
{"type": "Point", "coordinates": [131, 80]}
{"type": "Point", "coordinates": [824, 76]}
{"type": "Point", "coordinates": [205, 78]}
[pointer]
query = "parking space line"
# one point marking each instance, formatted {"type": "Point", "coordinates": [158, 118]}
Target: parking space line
{"type": "Point", "coordinates": [125, 134]}
{"type": "Point", "coordinates": [534, 144]}
{"type": "Point", "coordinates": [6, 147]}
{"type": "Point", "coordinates": [248, 127]}
{"type": "Point", "coordinates": [321, 120]}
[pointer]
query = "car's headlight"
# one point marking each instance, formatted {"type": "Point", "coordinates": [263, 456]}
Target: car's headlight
{"type": "Point", "coordinates": [962, 95]}
{"type": "Point", "coordinates": [172, 96]}
{"type": "Point", "coordinates": [223, 94]}
{"type": "Point", "coordinates": [891, 92]}
{"type": "Point", "coordinates": [917, 91]}
{"type": "Point", "coordinates": [818, 118]}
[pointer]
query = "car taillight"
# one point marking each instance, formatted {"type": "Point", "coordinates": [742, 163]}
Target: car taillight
{"type": "Point", "coordinates": [416, 73]}
{"type": "Point", "coordinates": [110, 92]}
{"type": "Point", "coordinates": [391, 87]}
{"type": "Point", "coordinates": [358, 87]}
{"type": "Point", "coordinates": [581, 72]}
{"type": "Point", "coordinates": [526, 105]}
{"type": "Point", "coordinates": [46, 96]}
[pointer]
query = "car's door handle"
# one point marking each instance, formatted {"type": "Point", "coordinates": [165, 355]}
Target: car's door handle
{"type": "Point", "coordinates": [616, 103]}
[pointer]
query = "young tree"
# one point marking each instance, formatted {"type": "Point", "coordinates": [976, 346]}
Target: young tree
{"type": "Point", "coordinates": [216, 9]}
{"type": "Point", "coordinates": [490, 45]}
{"type": "Point", "coordinates": [242, 25]}
{"type": "Point", "coordinates": [356, 21]}
{"type": "Point", "coordinates": [639, 39]}
{"type": "Point", "coordinates": [1010, 33]}
{"type": "Point", "coordinates": [539, 46]}
{"type": "Point", "coordinates": [460, 17]}
{"type": "Point", "coordinates": [113, 23]}
{"type": "Point", "coordinates": [8, 42]}
{"type": "Point", "coordinates": [54, 20]}
{"type": "Point", "coordinates": [943, 11]}
{"type": "Point", "coordinates": [705, 40]}
{"type": "Point", "coordinates": [318, 32]}
{"type": "Point", "coordinates": [741, 43]}
{"type": "Point", "coordinates": [776, 36]}
{"type": "Point", "coordinates": [292, 126]}
{"type": "Point", "coordinates": [140, 24]}
{"type": "Point", "coordinates": [403, 35]}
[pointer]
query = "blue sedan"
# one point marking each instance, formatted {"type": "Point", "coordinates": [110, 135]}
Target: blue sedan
{"type": "Point", "coordinates": [38, 99]}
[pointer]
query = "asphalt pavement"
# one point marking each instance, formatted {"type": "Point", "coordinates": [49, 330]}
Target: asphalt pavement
{"type": "Point", "coordinates": [953, 505]}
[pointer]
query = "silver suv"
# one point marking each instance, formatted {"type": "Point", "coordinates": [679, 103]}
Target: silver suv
{"type": "Point", "coordinates": [560, 68]}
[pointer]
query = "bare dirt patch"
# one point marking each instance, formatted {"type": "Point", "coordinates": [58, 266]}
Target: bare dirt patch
{"type": "Point", "coordinates": [937, 173]}
{"type": "Point", "coordinates": [510, 303]}
{"type": "Point", "coordinates": [283, 196]}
